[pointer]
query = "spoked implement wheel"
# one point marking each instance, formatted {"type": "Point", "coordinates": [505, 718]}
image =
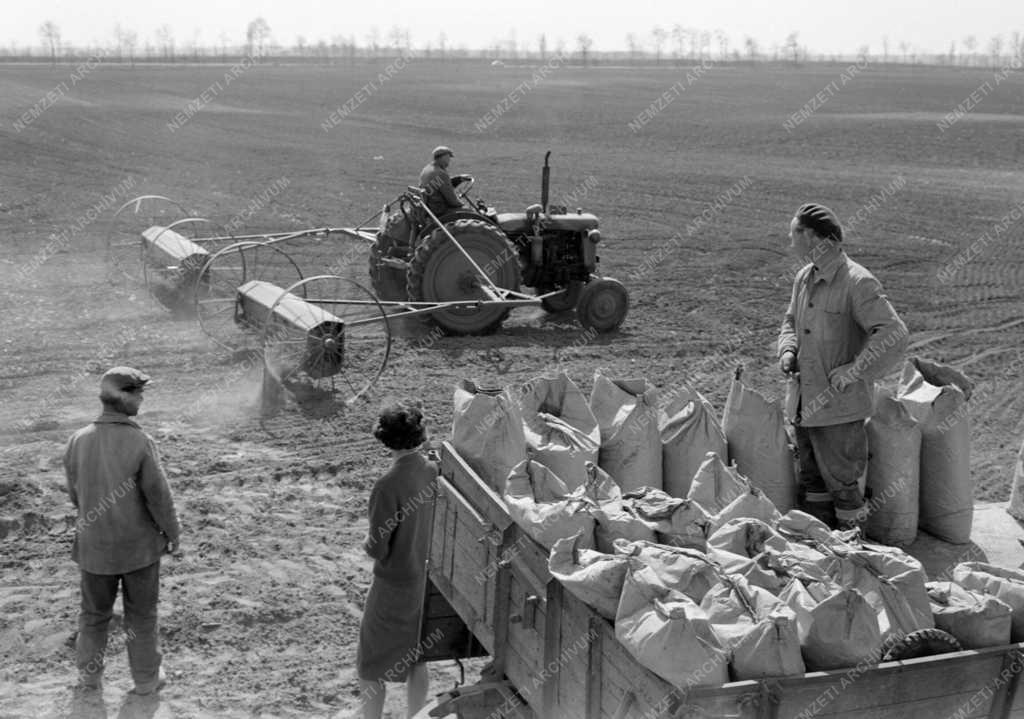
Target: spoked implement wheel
{"type": "Point", "coordinates": [215, 291]}
{"type": "Point", "coordinates": [326, 341]}
{"type": "Point", "coordinates": [124, 233]}
{"type": "Point", "coordinates": [603, 305]}
{"type": "Point", "coordinates": [439, 272]}
{"type": "Point", "coordinates": [171, 260]}
{"type": "Point", "coordinates": [565, 300]}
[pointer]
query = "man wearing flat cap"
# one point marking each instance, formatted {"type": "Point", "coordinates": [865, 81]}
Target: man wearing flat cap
{"type": "Point", "coordinates": [839, 335]}
{"type": "Point", "coordinates": [438, 191]}
{"type": "Point", "coordinates": [126, 521]}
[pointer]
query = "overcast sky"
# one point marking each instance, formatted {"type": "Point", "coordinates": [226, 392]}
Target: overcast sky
{"type": "Point", "coordinates": [925, 25]}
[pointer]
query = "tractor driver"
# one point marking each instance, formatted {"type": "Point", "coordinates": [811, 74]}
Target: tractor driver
{"type": "Point", "coordinates": [438, 191]}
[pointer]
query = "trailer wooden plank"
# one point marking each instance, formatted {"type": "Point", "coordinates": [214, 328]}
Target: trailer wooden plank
{"type": "Point", "coordinates": [892, 683]}
{"type": "Point", "coordinates": [485, 499]}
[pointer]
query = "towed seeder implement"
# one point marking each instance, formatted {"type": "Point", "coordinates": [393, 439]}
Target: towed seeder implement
{"type": "Point", "coordinates": [328, 333]}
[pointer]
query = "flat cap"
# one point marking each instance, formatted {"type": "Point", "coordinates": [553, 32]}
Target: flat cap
{"type": "Point", "coordinates": [123, 379]}
{"type": "Point", "coordinates": [442, 150]}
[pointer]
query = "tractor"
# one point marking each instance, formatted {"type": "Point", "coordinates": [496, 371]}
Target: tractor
{"type": "Point", "coordinates": [414, 259]}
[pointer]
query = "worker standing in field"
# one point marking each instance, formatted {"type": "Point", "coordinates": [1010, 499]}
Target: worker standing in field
{"type": "Point", "coordinates": [398, 540]}
{"type": "Point", "coordinates": [126, 521]}
{"type": "Point", "coordinates": [840, 334]}
{"type": "Point", "coordinates": [436, 183]}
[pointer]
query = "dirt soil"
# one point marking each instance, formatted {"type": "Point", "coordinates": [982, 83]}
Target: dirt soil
{"type": "Point", "coordinates": [260, 615]}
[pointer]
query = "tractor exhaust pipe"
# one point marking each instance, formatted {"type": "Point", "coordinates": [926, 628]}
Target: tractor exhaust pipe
{"type": "Point", "coordinates": [545, 180]}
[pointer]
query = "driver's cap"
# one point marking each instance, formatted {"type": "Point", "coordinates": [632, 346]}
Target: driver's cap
{"type": "Point", "coordinates": [442, 150]}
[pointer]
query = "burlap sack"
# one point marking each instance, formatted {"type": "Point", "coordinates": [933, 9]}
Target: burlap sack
{"type": "Point", "coordinates": [684, 570]}
{"type": "Point", "coordinates": [560, 429]}
{"type": "Point", "coordinates": [936, 397]}
{"type": "Point", "coordinates": [667, 632]}
{"type": "Point", "coordinates": [755, 430]}
{"type": "Point", "coordinates": [689, 430]}
{"type": "Point", "coordinates": [1000, 582]}
{"type": "Point", "coordinates": [894, 443]}
{"type": "Point", "coordinates": [893, 585]}
{"type": "Point", "coordinates": [795, 596]}
{"type": "Point", "coordinates": [976, 619]}
{"type": "Point", "coordinates": [677, 522]}
{"type": "Point", "coordinates": [716, 485]}
{"type": "Point", "coordinates": [538, 503]}
{"type": "Point", "coordinates": [593, 577]}
{"type": "Point", "coordinates": [627, 418]}
{"type": "Point", "coordinates": [843, 632]}
{"type": "Point", "coordinates": [487, 431]}
{"type": "Point", "coordinates": [751, 504]}
{"type": "Point", "coordinates": [750, 568]}
{"type": "Point", "coordinates": [747, 537]}
{"type": "Point", "coordinates": [760, 630]}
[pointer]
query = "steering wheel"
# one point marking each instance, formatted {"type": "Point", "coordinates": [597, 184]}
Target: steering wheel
{"type": "Point", "coordinates": [467, 181]}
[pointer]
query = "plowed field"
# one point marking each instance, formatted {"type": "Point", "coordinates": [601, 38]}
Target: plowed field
{"type": "Point", "coordinates": [260, 615]}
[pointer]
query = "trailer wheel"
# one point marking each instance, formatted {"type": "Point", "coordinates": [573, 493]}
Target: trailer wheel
{"type": "Point", "coordinates": [603, 305]}
{"type": "Point", "coordinates": [439, 272]}
{"type": "Point", "coordinates": [922, 643]}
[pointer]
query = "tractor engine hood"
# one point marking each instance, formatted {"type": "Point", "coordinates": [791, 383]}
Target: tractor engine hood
{"type": "Point", "coordinates": [515, 223]}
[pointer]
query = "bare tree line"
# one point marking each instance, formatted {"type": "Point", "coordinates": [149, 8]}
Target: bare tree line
{"type": "Point", "coordinates": [661, 45]}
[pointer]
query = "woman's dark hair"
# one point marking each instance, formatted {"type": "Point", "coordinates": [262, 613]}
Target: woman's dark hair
{"type": "Point", "coordinates": [400, 426]}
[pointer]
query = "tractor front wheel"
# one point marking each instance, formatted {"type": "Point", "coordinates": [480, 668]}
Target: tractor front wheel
{"type": "Point", "coordinates": [603, 305]}
{"type": "Point", "coordinates": [439, 272]}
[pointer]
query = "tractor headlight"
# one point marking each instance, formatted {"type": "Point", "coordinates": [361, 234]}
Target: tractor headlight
{"type": "Point", "coordinates": [594, 236]}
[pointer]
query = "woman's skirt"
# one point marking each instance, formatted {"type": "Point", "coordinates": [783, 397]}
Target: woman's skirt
{"type": "Point", "coordinates": [389, 636]}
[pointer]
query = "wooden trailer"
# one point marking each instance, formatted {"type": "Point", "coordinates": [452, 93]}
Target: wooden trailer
{"type": "Point", "coordinates": [553, 657]}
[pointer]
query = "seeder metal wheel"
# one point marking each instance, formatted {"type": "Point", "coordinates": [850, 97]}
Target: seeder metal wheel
{"type": "Point", "coordinates": [171, 280]}
{"type": "Point", "coordinates": [215, 291]}
{"type": "Point", "coordinates": [124, 233]}
{"type": "Point", "coordinates": [331, 347]}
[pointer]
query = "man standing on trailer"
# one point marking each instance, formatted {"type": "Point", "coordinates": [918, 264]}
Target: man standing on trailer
{"type": "Point", "coordinates": [126, 521]}
{"type": "Point", "coordinates": [438, 191]}
{"type": "Point", "coordinates": [840, 334]}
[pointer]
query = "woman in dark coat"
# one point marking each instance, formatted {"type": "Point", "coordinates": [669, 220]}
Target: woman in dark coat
{"type": "Point", "coordinates": [398, 539]}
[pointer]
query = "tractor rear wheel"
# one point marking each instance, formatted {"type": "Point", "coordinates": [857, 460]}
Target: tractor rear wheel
{"type": "Point", "coordinates": [603, 305]}
{"type": "Point", "coordinates": [439, 272]}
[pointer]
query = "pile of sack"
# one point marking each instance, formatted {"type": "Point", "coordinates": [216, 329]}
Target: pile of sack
{"type": "Point", "coordinates": [641, 438]}
{"type": "Point", "coordinates": [778, 598]}
{"type": "Point", "coordinates": [919, 472]}
{"type": "Point", "coordinates": [681, 530]}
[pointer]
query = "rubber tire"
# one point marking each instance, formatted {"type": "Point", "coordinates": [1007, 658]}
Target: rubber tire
{"type": "Point", "coordinates": [922, 643]}
{"type": "Point", "coordinates": [563, 302]}
{"type": "Point", "coordinates": [388, 282]}
{"type": "Point", "coordinates": [603, 305]}
{"type": "Point", "coordinates": [430, 274]}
